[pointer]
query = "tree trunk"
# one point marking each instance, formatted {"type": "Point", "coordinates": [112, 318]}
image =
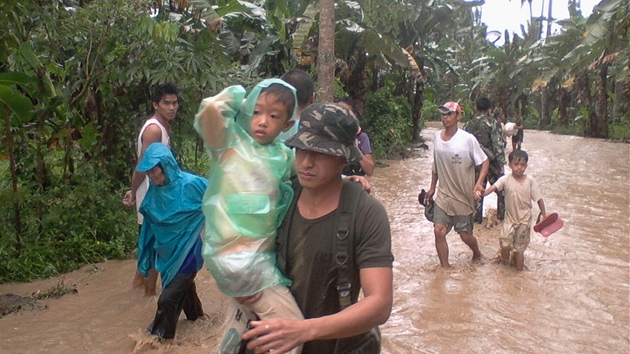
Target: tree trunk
{"type": "Point", "coordinates": [17, 221]}
{"type": "Point", "coordinates": [602, 102]}
{"type": "Point", "coordinates": [416, 114]}
{"type": "Point", "coordinates": [617, 98]}
{"type": "Point", "coordinates": [357, 82]}
{"type": "Point", "coordinates": [543, 123]}
{"type": "Point", "coordinates": [549, 19]}
{"type": "Point", "coordinates": [563, 118]}
{"type": "Point", "coordinates": [584, 100]}
{"type": "Point", "coordinates": [326, 52]}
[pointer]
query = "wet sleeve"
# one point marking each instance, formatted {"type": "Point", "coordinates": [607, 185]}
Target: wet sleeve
{"type": "Point", "coordinates": [228, 101]}
{"type": "Point", "coordinates": [373, 239]}
{"type": "Point", "coordinates": [364, 145]}
{"type": "Point", "coordinates": [500, 183]}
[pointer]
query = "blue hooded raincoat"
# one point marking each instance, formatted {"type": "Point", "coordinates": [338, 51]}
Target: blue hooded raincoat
{"type": "Point", "coordinates": [173, 220]}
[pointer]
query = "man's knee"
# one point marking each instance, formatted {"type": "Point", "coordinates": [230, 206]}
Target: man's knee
{"type": "Point", "coordinates": [439, 231]}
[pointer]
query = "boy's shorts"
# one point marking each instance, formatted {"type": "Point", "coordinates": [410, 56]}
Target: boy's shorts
{"type": "Point", "coordinates": [461, 223]}
{"type": "Point", "coordinates": [515, 236]}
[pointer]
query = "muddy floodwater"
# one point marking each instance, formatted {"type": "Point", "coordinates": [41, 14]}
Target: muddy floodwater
{"type": "Point", "coordinates": [573, 296]}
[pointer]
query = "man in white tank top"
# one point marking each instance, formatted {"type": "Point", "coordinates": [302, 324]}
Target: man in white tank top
{"type": "Point", "coordinates": [165, 102]}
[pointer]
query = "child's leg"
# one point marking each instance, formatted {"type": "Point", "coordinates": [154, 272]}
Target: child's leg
{"type": "Point", "coordinates": [506, 241]}
{"type": "Point", "coordinates": [150, 283]}
{"type": "Point", "coordinates": [192, 305]}
{"type": "Point", "coordinates": [519, 259]}
{"type": "Point", "coordinates": [236, 323]}
{"type": "Point", "coordinates": [521, 241]}
{"type": "Point", "coordinates": [275, 302]}
{"type": "Point", "coordinates": [505, 253]}
{"type": "Point", "coordinates": [170, 306]}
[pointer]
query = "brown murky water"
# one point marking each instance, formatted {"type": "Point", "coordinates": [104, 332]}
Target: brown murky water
{"type": "Point", "coordinates": [574, 296]}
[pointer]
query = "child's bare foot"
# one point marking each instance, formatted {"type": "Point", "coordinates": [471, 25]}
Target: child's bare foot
{"type": "Point", "coordinates": [477, 257]}
{"type": "Point", "coordinates": [138, 281]}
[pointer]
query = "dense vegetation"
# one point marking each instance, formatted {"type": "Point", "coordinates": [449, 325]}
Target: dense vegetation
{"type": "Point", "coordinates": [75, 77]}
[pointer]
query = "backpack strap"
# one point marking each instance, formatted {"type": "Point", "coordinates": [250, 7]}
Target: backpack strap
{"type": "Point", "coordinates": [343, 251]}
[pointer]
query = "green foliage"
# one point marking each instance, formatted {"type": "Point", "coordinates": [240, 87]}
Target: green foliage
{"type": "Point", "coordinates": [83, 222]}
{"type": "Point", "coordinates": [387, 120]}
{"type": "Point", "coordinates": [619, 132]}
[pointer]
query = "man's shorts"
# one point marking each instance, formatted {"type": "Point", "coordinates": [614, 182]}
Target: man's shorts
{"type": "Point", "coordinates": [461, 223]}
{"type": "Point", "coordinates": [515, 236]}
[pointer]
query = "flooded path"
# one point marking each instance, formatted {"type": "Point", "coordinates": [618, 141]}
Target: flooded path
{"type": "Point", "coordinates": [574, 296]}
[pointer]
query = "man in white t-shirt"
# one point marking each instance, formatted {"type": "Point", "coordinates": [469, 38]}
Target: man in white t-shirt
{"type": "Point", "coordinates": [456, 153]}
{"type": "Point", "coordinates": [165, 98]}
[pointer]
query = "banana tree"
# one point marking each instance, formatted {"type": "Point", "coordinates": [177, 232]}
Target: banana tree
{"type": "Point", "coordinates": [16, 109]}
{"type": "Point", "coordinates": [605, 44]}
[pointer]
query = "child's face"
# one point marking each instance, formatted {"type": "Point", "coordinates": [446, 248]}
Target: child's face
{"type": "Point", "coordinates": [270, 118]}
{"type": "Point", "coordinates": [156, 175]}
{"type": "Point", "coordinates": [518, 167]}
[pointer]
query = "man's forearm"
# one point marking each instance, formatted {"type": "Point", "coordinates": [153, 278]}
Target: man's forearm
{"type": "Point", "coordinates": [136, 181]}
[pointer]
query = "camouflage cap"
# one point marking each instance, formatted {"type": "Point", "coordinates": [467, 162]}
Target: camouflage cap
{"type": "Point", "coordinates": [330, 129]}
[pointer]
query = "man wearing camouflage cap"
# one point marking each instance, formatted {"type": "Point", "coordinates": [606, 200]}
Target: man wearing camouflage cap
{"type": "Point", "coordinates": [310, 242]}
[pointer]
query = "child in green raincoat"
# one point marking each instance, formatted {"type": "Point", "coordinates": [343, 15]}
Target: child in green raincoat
{"type": "Point", "coordinates": [248, 195]}
{"type": "Point", "coordinates": [170, 238]}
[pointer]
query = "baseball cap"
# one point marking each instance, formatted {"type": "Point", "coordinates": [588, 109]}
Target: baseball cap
{"type": "Point", "coordinates": [449, 107]}
{"type": "Point", "coordinates": [328, 128]}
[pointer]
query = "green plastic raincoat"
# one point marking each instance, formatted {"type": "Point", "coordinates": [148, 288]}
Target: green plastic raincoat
{"type": "Point", "coordinates": [248, 195]}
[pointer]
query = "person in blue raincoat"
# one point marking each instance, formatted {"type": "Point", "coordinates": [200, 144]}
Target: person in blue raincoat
{"type": "Point", "coordinates": [170, 237]}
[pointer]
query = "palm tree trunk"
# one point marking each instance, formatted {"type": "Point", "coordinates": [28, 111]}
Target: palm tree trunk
{"type": "Point", "coordinates": [602, 102]}
{"type": "Point", "coordinates": [326, 51]}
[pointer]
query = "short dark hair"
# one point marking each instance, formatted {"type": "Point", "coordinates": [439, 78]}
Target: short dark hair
{"type": "Point", "coordinates": [303, 83]}
{"type": "Point", "coordinates": [159, 91]}
{"type": "Point", "coordinates": [283, 95]}
{"type": "Point", "coordinates": [350, 102]}
{"type": "Point", "coordinates": [518, 155]}
{"type": "Point", "coordinates": [483, 104]}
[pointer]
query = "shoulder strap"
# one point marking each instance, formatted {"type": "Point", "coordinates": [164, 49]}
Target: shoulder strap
{"type": "Point", "coordinates": [343, 244]}
{"type": "Point", "coordinates": [282, 239]}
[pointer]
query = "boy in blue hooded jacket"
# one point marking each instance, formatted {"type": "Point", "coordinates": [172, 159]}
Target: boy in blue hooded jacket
{"type": "Point", "coordinates": [170, 238]}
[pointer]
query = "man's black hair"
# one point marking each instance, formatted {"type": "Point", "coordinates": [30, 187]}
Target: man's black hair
{"type": "Point", "coordinates": [159, 91]}
{"type": "Point", "coordinates": [303, 83]}
{"type": "Point", "coordinates": [283, 95]}
{"type": "Point", "coordinates": [350, 102]}
{"type": "Point", "coordinates": [518, 155]}
{"type": "Point", "coordinates": [483, 104]}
